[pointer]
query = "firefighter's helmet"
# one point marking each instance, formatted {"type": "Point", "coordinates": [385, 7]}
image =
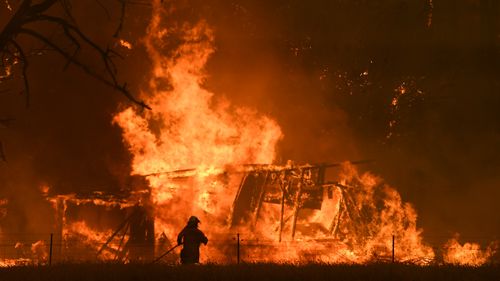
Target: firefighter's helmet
{"type": "Point", "coordinates": [193, 220]}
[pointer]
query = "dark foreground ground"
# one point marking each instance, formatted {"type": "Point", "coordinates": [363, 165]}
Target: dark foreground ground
{"type": "Point", "coordinates": [253, 272]}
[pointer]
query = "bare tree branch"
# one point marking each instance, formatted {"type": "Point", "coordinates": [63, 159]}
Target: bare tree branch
{"type": "Point", "coordinates": [41, 7]}
{"type": "Point", "coordinates": [66, 5]}
{"type": "Point", "coordinates": [11, 29]}
{"type": "Point", "coordinates": [105, 54]}
{"type": "Point", "coordinates": [24, 61]}
{"type": "Point", "coordinates": [103, 8]}
{"type": "Point", "coordinates": [30, 13]}
{"type": "Point", "coordinates": [122, 18]}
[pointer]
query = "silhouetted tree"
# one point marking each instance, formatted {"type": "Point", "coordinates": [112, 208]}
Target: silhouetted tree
{"type": "Point", "coordinates": [35, 20]}
{"type": "Point", "coordinates": [29, 14]}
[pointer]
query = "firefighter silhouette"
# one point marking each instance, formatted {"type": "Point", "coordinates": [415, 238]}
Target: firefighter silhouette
{"type": "Point", "coordinates": [191, 237]}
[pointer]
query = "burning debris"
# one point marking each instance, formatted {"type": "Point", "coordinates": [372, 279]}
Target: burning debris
{"type": "Point", "coordinates": [468, 253]}
{"type": "Point", "coordinates": [357, 214]}
{"type": "Point", "coordinates": [299, 213]}
{"type": "Point", "coordinates": [39, 250]}
{"type": "Point", "coordinates": [132, 240]}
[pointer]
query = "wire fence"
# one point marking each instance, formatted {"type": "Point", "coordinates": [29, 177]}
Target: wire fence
{"type": "Point", "coordinates": [44, 248]}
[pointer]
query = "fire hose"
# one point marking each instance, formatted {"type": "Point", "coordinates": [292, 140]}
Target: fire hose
{"type": "Point", "coordinates": [166, 253]}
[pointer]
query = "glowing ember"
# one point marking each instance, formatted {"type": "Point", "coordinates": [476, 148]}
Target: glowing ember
{"type": "Point", "coordinates": [125, 44]}
{"type": "Point", "coordinates": [40, 253]}
{"type": "Point", "coordinates": [44, 189]}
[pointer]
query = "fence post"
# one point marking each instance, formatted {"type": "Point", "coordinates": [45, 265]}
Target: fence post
{"type": "Point", "coordinates": [238, 248]}
{"type": "Point", "coordinates": [392, 248]}
{"type": "Point", "coordinates": [50, 249]}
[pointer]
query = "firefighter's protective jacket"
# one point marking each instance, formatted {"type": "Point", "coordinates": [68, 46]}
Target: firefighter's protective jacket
{"type": "Point", "coordinates": [191, 238]}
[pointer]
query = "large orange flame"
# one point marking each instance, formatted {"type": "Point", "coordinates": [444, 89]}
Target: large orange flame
{"type": "Point", "coordinates": [468, 253]}
{"type": "Point", "coordinates": [188, 128]}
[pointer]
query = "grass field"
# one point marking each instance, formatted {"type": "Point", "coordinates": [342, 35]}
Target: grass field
{"type": "Point", "coordinates": [254, 272]}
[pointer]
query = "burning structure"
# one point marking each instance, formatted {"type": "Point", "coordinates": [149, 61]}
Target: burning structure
{"type": "Point", "coordinates": [302, 213]}
{"type": "Point", "coordinates": [285, 213]}
{"type": "Point", "coordinates": [351, 220]}
{"type": "Point", "coordinates": [133, 239]}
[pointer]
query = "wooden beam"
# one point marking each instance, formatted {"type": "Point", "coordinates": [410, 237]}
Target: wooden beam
{"type": "Point", "coordinates": [334, 226]}
{"type": "Point", "coordinates": [282, 210]}
{"type": "Point", "coordinates": [297, 204]}
{"type": "Point", "coordinates": [260, 199]}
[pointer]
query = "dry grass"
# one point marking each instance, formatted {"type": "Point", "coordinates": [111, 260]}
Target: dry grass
{"type": "Point", "coordinates": [254, 272]}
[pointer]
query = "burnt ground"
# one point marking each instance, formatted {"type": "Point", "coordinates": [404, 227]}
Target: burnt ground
{"type": "Point", "coordinates": [258, 272]}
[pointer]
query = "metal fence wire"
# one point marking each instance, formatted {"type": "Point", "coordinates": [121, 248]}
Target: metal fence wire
{"type": "Point", "coordinates": [46, 248]}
